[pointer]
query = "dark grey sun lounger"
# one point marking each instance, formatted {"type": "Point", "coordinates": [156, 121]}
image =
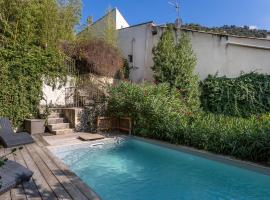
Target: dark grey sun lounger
{"type": "Point", "coordinates": [12, 174]}
{"type": "Point", "coordinates": [10, 139]}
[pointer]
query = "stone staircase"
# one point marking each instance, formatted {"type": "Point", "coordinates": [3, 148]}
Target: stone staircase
{"type": "Point", "coordinates": [57, 124]}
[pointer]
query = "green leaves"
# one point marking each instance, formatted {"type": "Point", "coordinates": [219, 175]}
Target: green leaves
{"type": "Point", "coordinates": [158, 112]}
{"type": "Point", "coordinates": [174, 63]}
{"type": "Point", "coordinates": [30, 36]}
{"type": "Point", "coordinates": [243, 96]}
{"type": "Point", "coordinates": [155, 110]}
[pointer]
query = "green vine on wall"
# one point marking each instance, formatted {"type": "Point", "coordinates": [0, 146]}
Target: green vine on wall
{"type": "Point", "coordinates": [242, 96]}
{"type": "Point", "coordinates": [30, 52]}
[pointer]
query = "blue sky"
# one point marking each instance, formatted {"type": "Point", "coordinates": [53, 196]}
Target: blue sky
{"type": "Point", "coordinates": [205, 12]}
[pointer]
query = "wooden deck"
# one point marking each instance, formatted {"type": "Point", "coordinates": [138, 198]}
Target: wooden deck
{"type": "Point", "coordinates": [51, 179]}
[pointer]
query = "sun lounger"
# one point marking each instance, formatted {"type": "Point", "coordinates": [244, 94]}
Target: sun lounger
{"type": "Point", "coordinates": [10, 139]}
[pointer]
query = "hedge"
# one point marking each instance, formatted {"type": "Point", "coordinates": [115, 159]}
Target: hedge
{"type": "Point", "coordinates": [243, 96]}
{"type": "Point", "coordinates": [158, 113]}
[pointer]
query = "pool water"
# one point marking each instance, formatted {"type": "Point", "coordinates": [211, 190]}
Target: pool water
{"type": "Point", "coordinates": [136, 170]}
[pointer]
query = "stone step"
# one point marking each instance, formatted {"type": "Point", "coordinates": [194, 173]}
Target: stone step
{"type": "Point", "coordinates": [54, 115]}
{"type": "Point", "coordinates": [53, 127]}
{"type": "Point", "coordinates": [55, 120]}
{"type": "Point", "coordinates": [62, 131]}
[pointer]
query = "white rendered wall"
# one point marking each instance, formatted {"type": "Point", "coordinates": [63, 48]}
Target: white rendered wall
{"type": "Point", "coordinates": [120, 20]}
{"type": "Point", "coordinates": [227, 55]}
{"type": "Point", "coordinates": [55, 97]}
{"type": "Point", "coordinates": [132, 41]}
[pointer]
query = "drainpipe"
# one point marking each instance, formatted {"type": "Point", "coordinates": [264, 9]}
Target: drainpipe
{"type": "Point", "coordinates": [145, 52]}
{"type": "Point", "coordinates": [133, 54]}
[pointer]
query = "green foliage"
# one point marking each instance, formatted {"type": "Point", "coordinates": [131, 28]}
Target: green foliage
{"type": "Point", "coordinates": [174, 63]}
{"type": "Point", "coordinates": [231, 30]}
{"type": "Point", "coordinates": [126, 69]}
{"type": "Point", "coordinates": [57, 20]}
{"type": "Point", "coordinates": [107, 32]}
{"type": "Point", "coordinates": [24, 69]}
{"type": "Point", "coordinates": [158, 113]}
{"type": "Point", "coordinates": [43, 23]}
{"type": "Point", "coordinates": [155, 110]}
{"type": "Point", "coordinates": [246, 139]}
{"type": "Point", "coordinates": [29, 51]}
{"type": "Point", "coordinates": [242, 96]}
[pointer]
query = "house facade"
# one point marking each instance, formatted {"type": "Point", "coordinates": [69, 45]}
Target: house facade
{"type": "Point", "coordinates": [226, 55]}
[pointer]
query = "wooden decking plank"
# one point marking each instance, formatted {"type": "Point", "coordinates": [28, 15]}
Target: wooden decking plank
{"type": "Point", "coordinates": [5, 196]}
{"type": "Point", "coordinates": [75, 180]}
{"type": "Point", "coordinates": [16, 193]}
{"type": "Point", "coordinates": [39, 140]}
{"type": "Point", "coordinates": [30, 187]}
{"type": "Point", "coordinates": [47, 174]}
{"type": "Point", "coordinates": [43, 187]}
{"type": "Point", "coordinates": [62, 178]}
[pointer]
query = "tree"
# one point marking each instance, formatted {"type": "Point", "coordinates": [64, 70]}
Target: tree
{"type": "Point", "coordinates": [57, 20]}
{"type": "Point", "coordinates": [174, 63]}
{"type": "Point", "coordinates": [184, 71]}
{"type": "Point", "coordinates": [164, 60]}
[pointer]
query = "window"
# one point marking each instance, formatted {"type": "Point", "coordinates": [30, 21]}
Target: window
{"type": "Point", "coordinates": [130, 58]}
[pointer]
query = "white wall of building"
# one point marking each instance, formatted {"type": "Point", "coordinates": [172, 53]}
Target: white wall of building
{"type": "Point", "coordinates": [120, 20]}
{"type": "Point", "coordinates": [134, 41]}
{"type": "Point", "coordinates": [55, 96]}
{"type": "Point", "coordinates": [227, 55]}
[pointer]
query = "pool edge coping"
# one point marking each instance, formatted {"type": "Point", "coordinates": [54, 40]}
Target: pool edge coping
{"type": "Point", "coordinates": [255, 167]}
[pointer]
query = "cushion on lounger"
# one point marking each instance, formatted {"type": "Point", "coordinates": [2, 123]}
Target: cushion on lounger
{"type": "Point", "coordinates": [12, 174]}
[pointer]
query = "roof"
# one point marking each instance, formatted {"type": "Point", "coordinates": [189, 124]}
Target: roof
{"type": "Point", "coordinates": [224, 34]}
{"type": "Point", "coordinates": [135, 25]}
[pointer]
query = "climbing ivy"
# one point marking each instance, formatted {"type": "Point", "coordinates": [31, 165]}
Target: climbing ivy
{"type": "Point", "coordinates": [28, 55]}
{"type": "Point", "coordinates": [242, 96]}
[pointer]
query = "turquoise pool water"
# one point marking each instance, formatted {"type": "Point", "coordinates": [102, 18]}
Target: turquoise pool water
{"type": "Point", "coordinates": [136, 170]}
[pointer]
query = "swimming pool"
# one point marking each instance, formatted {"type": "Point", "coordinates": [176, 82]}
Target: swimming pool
{"type": "Point", "coordinates": [137, 170]}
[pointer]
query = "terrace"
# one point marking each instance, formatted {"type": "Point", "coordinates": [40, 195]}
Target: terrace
{"type": "Point", "coordinates": [51, 178]}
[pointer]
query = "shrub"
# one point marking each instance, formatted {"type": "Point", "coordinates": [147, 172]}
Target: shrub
{"type": "Point", "coordinates": [96, 56]}
{"type": "Point", "coordinates": [242, 96]}
{"type": "Point", "coordinates": [155, 110]}
{"type": "Point", "coordinates": [159, 113]}
{"type": "Point", "coordinates": [246, 139]}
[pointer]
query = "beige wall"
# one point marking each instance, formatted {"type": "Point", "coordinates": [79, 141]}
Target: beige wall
{"type": "Point", "coordinates": [226, 55]}
{"type": "Point", "coordinates": [114, 18]}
